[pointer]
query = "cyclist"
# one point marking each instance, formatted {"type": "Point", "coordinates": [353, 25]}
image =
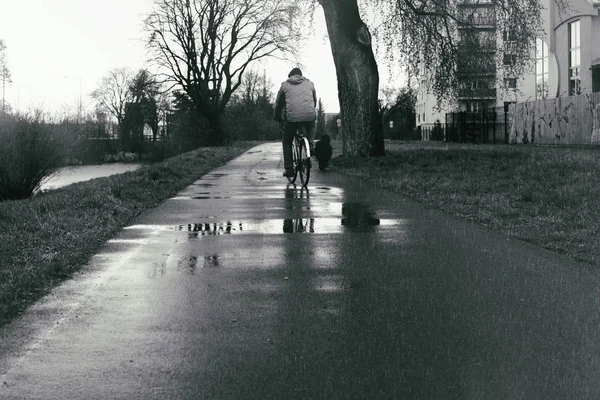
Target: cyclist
{"type": "Point", "coordinates": [296, 108]}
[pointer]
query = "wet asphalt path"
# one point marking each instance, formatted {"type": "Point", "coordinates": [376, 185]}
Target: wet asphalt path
{"type": "Point", "coordinates": [241, 287]}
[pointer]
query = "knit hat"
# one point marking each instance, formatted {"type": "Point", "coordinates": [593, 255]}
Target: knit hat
{"type": "Point", "coordinates": [295, 71]}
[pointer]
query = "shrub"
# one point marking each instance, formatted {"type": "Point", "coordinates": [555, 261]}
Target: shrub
{"type": "Point", "coordinates": [160, 150]}
{"type": "Point", "coordinates": [29, 152]}
{"type": "Point", "coordinates": [244, 123]}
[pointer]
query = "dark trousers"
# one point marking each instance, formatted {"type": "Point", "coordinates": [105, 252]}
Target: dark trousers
{"type": "Point", "coordinates": [289, 129]}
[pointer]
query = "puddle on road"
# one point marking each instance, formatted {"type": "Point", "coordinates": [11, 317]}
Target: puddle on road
{"type": "Point", "coordinates": [211, 261]}
{"type": "Point", "coordinates": [330, 283]}
{"type": "Point", "coordinates": [290, 192]}
{"type": "Point", "coordinates": [270, 227]}
{"type": "Point", "coordinates": [187, 264]}
{"type": "Point", "coordinates": [212, 177]}
{"type": "Point", "coordinates": [358, 215]}
{"type": "Point", "coordinates": [129, 241]}
{"type": "Point", "coordinates": [207, 197]}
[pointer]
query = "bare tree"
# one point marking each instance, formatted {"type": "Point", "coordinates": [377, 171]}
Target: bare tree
{"type": "Point", "coordinates": [418, 33]}
{"type": "Point", "coordinates": [114, 92]}
{"type": "Point", "coordinates": [205, 46]}
{"type": "Point", "coordinates": [4, 74]}
{"type": "Point", "coordinates": [255, 88]}
{"type": "Point", "coordinates": [147, 96]}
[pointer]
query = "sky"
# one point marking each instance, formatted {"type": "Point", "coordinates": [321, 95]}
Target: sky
{"type": "Point", "coordinates": [59, 50]}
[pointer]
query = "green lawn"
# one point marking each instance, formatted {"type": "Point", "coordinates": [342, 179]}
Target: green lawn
{"type": "Point", "coordinates": [549, 196]}
{"type": "Point", "coordinates": [47, 238]}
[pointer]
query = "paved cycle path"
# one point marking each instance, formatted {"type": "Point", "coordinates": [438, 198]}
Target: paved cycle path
{"type": "Point", "coordinates": [243, 287]}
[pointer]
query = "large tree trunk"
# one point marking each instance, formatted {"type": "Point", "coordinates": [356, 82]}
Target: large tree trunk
{"type": "Point", "coordinates": [216, 134]}
{"type": "Point", "coordinates": [357, 76]}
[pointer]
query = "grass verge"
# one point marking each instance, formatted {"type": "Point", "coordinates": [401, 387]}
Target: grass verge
{"type": "Point", "coordinates": [549, 196]}
{"type": "Point", "coordinates": [47, 238]}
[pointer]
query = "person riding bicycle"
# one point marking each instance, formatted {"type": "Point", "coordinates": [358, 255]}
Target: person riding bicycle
{"type": "Point", "coordinates": [296, 108]}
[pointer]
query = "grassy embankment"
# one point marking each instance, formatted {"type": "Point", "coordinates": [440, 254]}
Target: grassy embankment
{"type": "Point", "coordinates": [549, 196]}
{"type": "Point", "coordinates": [45, 239]}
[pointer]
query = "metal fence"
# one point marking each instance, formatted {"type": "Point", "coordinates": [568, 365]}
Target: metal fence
{"type": "Point", "coordinates": [431, 133]}
{"type": "Point", "coordinates": [488, 126]}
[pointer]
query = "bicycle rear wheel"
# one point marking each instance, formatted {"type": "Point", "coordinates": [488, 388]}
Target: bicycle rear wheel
{"type": "Point", "coordinates": [295, 161]}
{"type": "Point", "coordinates": [304, 165]}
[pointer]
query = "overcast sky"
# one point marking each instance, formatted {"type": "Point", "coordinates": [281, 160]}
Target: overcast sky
{"type": "Point", "coordinates": [58, 50]}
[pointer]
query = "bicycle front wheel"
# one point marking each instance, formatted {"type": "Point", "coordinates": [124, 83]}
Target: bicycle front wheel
{"type": "Point", "coordinates": [304, 166]}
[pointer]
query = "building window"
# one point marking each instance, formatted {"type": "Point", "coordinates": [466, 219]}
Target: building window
{"type": "Point", "coordinates": [510, 83]}
{"type": "Point", "coordinates": [473, 106]}
{"type": "Point", "coordinates": [510, 59]}
{"type": "Point", "coordinates": [574, 58]}
{"type": "Point", "coordinates": [541, 69]}
{"type": "Point", "coordinates": [509, 35]}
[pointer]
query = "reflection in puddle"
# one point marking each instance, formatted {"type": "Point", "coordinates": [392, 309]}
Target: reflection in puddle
{"type": "Point", "coordinates": [292, 192]}
{"type": "Point", "coordinates": [129, 241]}
{"type": "Point", "coordinates": [211, 261]}
{"type": "Point", "coordinates": [211, 177]}
{"type": "Point", "coordinates": [358, 215]}
{"type": "Point", "coordinates": [330, 283]}
{"type": "Point", "coordinates": [270, 226]}
{"type": "Point", "coordinates": [159, 269]}
{"type": "Point", "coordinates": [299, 225]}
{"type": "Point", "coordinates": [187, 264]}
{"type": "Point", "coordinates": [196, 230]}
{"type": "Point", "coordinates": [326, 257]}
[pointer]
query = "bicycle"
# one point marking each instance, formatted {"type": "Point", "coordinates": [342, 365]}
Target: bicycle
{"type": "Point", "coordinates": [300, 159]}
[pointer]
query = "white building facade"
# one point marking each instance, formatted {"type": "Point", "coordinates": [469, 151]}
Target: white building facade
{"type": "Point", "coordinates": [567, 62]}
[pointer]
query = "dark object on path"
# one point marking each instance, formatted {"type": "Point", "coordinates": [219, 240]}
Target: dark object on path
{"type": "Point", "coordinates": [358, 215]}
{"type": "Point", "coordinates": [323, 152]}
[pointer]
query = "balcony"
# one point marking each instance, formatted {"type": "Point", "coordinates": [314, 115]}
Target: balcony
{"type": "Point", "coordinates": [484, 67]}
{"type": "Point", "coordinates": [483, 46]}
{"type": "Point", "coordinates": [479, 22]}
{"type": "Point", "coordinates": [471, 3]}
{"type": "Point", "coordinates": [478, 93]}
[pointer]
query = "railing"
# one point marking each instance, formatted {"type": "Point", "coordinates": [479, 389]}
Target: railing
{"type": "Point", "coordinates": [473, 2]}
{"type": "Point", "coordinates": [484, 45]}
{"type": "Point", "coordinates": [479, 21]}
{"type": "Point", "coordinates": [485, 126]}
{"type": "Point", "coordinates": [478, 93]}
{"type": "Point", "coordinates": [481, 69]}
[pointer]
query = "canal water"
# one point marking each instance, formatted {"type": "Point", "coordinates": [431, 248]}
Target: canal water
{"type": "Point", "coordinates": [69, 175]}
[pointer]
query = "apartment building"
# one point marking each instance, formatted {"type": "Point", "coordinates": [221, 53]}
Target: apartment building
{"type": "Point", "coordinates": [567, 60]}
{"type": "Point", "coordinates": [568, 57]}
